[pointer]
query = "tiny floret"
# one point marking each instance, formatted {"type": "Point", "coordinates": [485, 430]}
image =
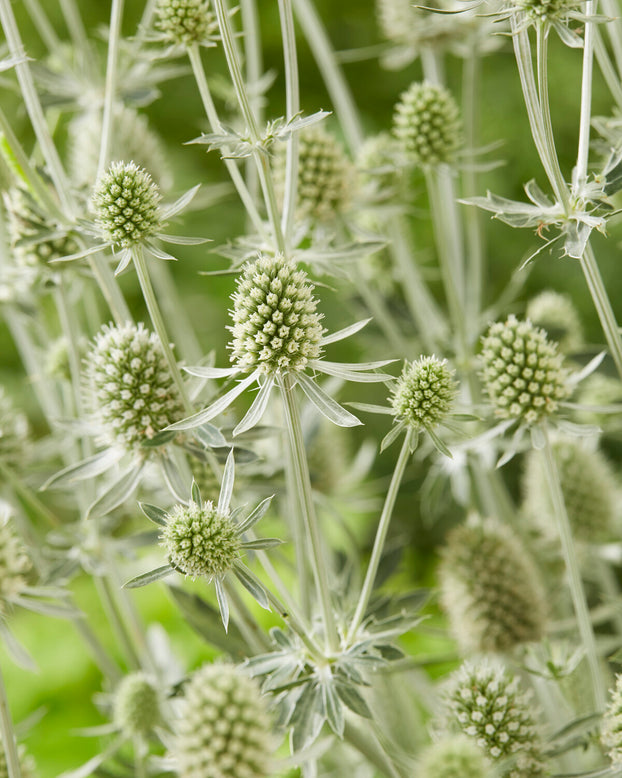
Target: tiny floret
{"type": "Point", "coordinates": [224, 730]}
{"type": "Point", "coordinates": [136, 706]}
{"type": "Point", "coordinates": [453, 757]}
{"type": "Point", "coordinates": [425, 392]}
{"type": "Point", "coordinates": [522, 371]}
{"type": "Point", "coordinates": [126, 204]}
{"type": "Point", "coordinates": [200, 540]}
{"type": "Point", "coordinates": [611, 735]}
{"type": "Point", "coordinates": [276, 327]}
{"type": "Point", "coordinates": [185, 21]}
{"type": "Point", "coordinates": [427, 124]}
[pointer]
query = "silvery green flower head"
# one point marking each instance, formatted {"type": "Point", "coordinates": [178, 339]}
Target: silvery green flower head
{"type": "Point", "coordinates": [453, 757]}
{"type": "Point", "coordinates": [136, 705]}
{"type": "Point", "coordinates": [277, 336]}
{"type": "Point", "coordinates": [185, 23]}
{"type": "Point", "coordinates": [13, 431]}
{"type": "Point", "coordinates": [611, 735]}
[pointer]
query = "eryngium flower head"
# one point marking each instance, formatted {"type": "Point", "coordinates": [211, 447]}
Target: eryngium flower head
{"type": "Point", "coordinates": [488, 705]}
{"type": "Point", "coordinates": [136, 705]}
{"type": "Point", "coordinates": [185, 21]}
{"type": "Point", "coordinates": [589, 487]}
{"type": "Point", "coordinates": [275, 323]}
{"type": "Point", "coordinates": [26, 763]}
{"type": "Point", "coordinates": [224, 731]}
{"type": "Point", "coordinates": [325, 175]}
{"type": "Point", "coordinates": [200, 540]}
{"type": "Point", "coordinates": [427, 124]}
{"type": "Point", "coordinates": [611, 735]}
{"type": "Point", "coordinates": [453, 757]}
{"type": "Point", "coordinates": [15, 564]}
{"type": "Point", "coordinates": [126, 204]}
{"type": "Point", "coordinates": [550, 11]}
{"type": "Point", "coordinates": [556, 313]}
{"type": "Point", "coordinates": [13, 430]}
{"type": "Point", "coordinates": [129, 385]}
{"type": "Point", "coordinates": [425, 393]}
{"type": "Point", "coordinates": [522, 371]}
{"type": "Point", "coordinates": [491, 588]}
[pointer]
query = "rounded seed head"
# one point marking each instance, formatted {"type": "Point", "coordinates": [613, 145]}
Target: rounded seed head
{"type": "Point", "coordinates": [522, 371]}
{"type": "Point", "coordinates": [427, 124]}
{"type": "Point", "coordinates": [453, 757]}
{"type": "Point", "coordinates": [611, 735]}
{"type": "Point", "coordinates": [15, 564]}
{"type": "Point", "coordinates": [126, 204]}
{"type": "Point", "coordinates": [275, 323]}
{"type": "Point", "coordinates": [136, 705]}
{"type": "Point", "coordinates": [425, 392]}
{"type": "Point", "coordinates": [200, 540]}
{"type": "Point", "coordinates": [556, 314]}
{"type": "Point", "coordinates": [13, 430]}
{"type": "Point", "coordinates": [225, 729]}
{"type": "Point", "coordinates": [488, 706]}
{"type": "Point", "coordinates": [491, 588]}
{"type": "Point", "coordinates": [185, 21]}
{"type": "Point", "coordinates": [129, 386]}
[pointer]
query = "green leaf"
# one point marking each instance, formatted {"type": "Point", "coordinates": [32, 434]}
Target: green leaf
{"type": "Point", "coordinates": [251, 584]}
{"type": "Point", "coordinates": [353, 699]}
{"type": "Point", "coordinates": [255, 516]}
{"type": "Point", "coordinates": [153, 513]}
{"type": "Point", "coordinates": [147, 578]}
{"type": "Point", "coordinates": [116, 494]}
{"type": "Point", "coordinates": [261, 543]}
{"type": "Point", "coordinates": [332, 708]}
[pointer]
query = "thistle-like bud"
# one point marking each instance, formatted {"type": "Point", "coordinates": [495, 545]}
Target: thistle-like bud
{"type": "Point", "coordinates": [13, 430]}
{"type": "Point", "coordinates": [453, 757]}
{"type": "Point", "coordinates": [522, 371]}
{"type": "Point", "coordinates": [136, 705]}
{"type": "Point", "coordinates": [488, 705]}
{"type": "Point", "coordinates": [15, 564]}
{"type": "Point", "coordinates": [200, 540]}
{"type": "Point", "coordinates": [589, 487]}
{"type": "Point", "coordinates": [275, 323]}
{"type": "Point", "coordinates": [185, 21]}
{"type": "Point", "coordinates": [427, 124]}
{"type": "Point", "coordinates": [425, 392]}
{"type": "Point", "coordinates": [126, 202]}
{"type": "Point", "coordinates": [325, 175]}
{"type": "Point", "coordinates": [130, 387]}
{"type": "Point", "coordinates": [611, 735]}
{"type": "Point", "coordinates": [225, 729]}
{"type": "Point", "coordinates": [491, 588]}
{"type": "Point", "coordinates": [556, 314]}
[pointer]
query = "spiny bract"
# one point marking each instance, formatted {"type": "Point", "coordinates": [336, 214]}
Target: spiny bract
{"type": "Point", "coordinates": [185, 21]}
{"type": "Point", "coordinates": [136, 706]}
{"type": "Point", "coordinates": [427, 124]}
{"type": "Point", "coordinates": [490, 588]}
{"type": "Point", "coordinates": [225, 729]}
{"type": "Point", "coordinates": [129, 385]}
{"type": "Point", "coordinates": [275, 323]}
{"type": "Point", "coordinates": [453, 757]}
{"type": "Point", "coordinates": [200, 540]}
{"type": "Point", "coordinates": [424, 393]}
{"type": "Point", "coordinates": [522, 371]}
{"type": "Point", "coordinates": [126, 203]}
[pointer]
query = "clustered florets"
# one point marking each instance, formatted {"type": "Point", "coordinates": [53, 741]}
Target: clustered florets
{"type": "Point", "coordinates": [424, 393]}
{"type": "Point", "coordinates": [488, 705]}
{"type": "Point", "coordinates": [453, 757]}
{"type": "Point", "coordinates": [136, 706]}
{"type": "Point", "coordinates": [129, 385]}
{"type": "Point", "coordinates": [611, 735]}
{"type": "Point", "coordinates": [546, 10]}
{"type": "Point", "coordinates": [185, 21]}
{"type": "Point", "coordinates": [13, 430]}
{"type": "Point", "coordinates": [224, 731]}
{"type": "Point", "coordinates": [15, 564]}
{"type": "Point", "coordinates": [275, 323]}
{"type": "Point", "coordinates": [491, 588]}
{"type": "Point", "coordinates": [522, 371]}
{"type": "Point", "coordinates": [427, 124]}
{"type": "Point", "coordinates": [126, 204]}
{"type": "Point", "coordinates": [200, 540]}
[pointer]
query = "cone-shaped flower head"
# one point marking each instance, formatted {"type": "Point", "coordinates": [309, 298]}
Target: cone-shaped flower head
{"type": "Point", "coordinates": [200, 540]}
{"type": "Point", "coordinates": [427, 124]}
{"type": "Point", "coordinates": [185, 21]}
{"type": "Point", "coordinates": [224, 731]}
{"type": "Point", "coordinates": [13, 430]}
{"type": "Point", "coordinates": [488, 705]}
{"type": "Point", "coordinates": [522, 371]}
{"type": "Point", "coordinates": [491, 588]}
{"type": "Point", "coordinates": [136, 705]}
{"type": "Point", "coordinates": [612, 724]}
{"type": "Point", "coordinates": [556, 314]}
{"type": "Point", "coordinates": [425, 392]}
{"type": "Point", "coordinates": [275, 323]}
{"type": "Point", "coordinates": [129, 385]}
{"type": "Point", "coordinates": [126, 202]}
{"type": "Point", "coordinates": [15, 564]}
{"type": "Point", "coordinates": [589, 487]}
{"type": "Point", "coordinates": [325, 175]}
{"type": "Point", "coordinates": [453, 757]}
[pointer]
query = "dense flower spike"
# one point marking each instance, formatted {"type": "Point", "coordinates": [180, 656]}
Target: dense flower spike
{"type": "Point", "coordinates": [13, 430]}
{"type": "Point", "coordinates": [185, 21]}
{"type": "Point", "coordinates": [129, 385]}
{"type": "Point", "coordinates": [556, 314]}
{"type": "Point", "coordinates": [453, 757]}
{"type": "Point", "coordinates": [611, 735]}
{"type": "Point", "coordinates": [201, 540]}
{"type": "Point", "coordinates": [425, 392]}
{"type": "Point", "coordinates": [491, 588]}
{"type": "Point", "coordinates": [589, 487]}
{"type": "Point", "coordinates": [136, 706]}
{"type": "Point", "coordinates": [275, 323]}
{"type": "Point", "coordinates": [522, 371]}
{"type": "Point", "coordinates": [224, 731]}
{"type": "Point", "coordinates": [126, 204]}
{"type": "Point", "coordinates": [15, 564]}
{"type": "Point", "coordinates": [488, 705]}
{"type": "Point", "coordinates": [427, 124]}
